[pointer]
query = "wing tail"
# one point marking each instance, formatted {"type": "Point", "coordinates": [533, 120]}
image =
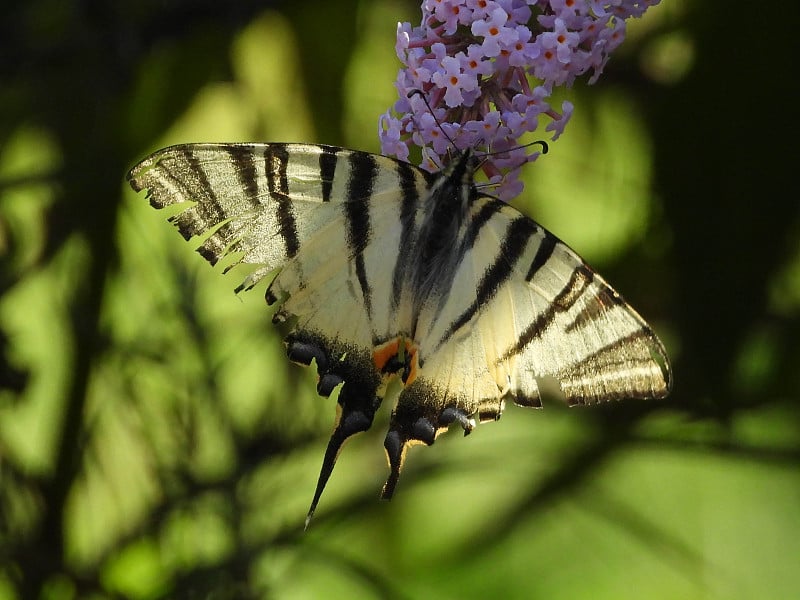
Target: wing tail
{"type": "Point", "coordinates": [352, 421]}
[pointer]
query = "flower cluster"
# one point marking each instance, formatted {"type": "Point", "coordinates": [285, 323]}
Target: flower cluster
{"type": "Point", "coordinates": [480, 72]}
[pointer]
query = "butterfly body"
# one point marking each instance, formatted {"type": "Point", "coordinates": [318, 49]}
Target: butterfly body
{"type": "Point", "coordinates": [387, 271]}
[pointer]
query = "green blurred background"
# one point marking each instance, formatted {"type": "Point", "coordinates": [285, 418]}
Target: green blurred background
{"type": "Point", "coordinates": [154, 441]}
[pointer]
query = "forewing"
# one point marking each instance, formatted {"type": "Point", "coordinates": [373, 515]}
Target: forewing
{"type": "Point", "coordinates": [258, 203]}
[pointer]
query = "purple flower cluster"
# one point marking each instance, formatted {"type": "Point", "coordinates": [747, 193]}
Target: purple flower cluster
{"type": "Point", "coordinates": [487, 68]}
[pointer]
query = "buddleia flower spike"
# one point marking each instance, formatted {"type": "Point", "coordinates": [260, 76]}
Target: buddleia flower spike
{"type": "Point", "coordinates": [488, 69]}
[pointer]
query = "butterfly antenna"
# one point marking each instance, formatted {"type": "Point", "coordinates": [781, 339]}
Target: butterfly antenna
{"type": "Point", "coordinates": [542, 143]}
{"type": "Point", "coordinates": [430, 110]}
{"type": "Point", "coordinates": [483, 158]}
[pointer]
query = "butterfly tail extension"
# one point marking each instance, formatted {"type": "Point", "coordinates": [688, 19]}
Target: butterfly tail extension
{"type": "Point", "coordinates": [358, 397]}
{"type": "Point", "coordinates": [417, 423]}
{"type": "Point", "coordinates": [351, 422]}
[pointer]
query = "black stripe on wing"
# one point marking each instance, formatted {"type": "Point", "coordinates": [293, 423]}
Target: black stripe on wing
{"type": "Point", "coordinates": [360, 183]}
{"type": "Point", "coordinates": [605, 298]}
{"type": "Point", "coordinates": [634, 373]}
{"type": "Point", "coordinates": [474, 228]}
{"type": "Point", "coordinates": [244, 165]}
{"type": "Point", "coordinates": [193, 181]}
{"type": "Point", "coordinates": [490, 207]}
{"type": "Point", "coordinates": [327, 169]}
{"type": "Point", "coordinates": [276, 159]}
{"type": "Point", "coordinates": [408, 221]}
{"type": "Point", "coordinates": [543, 254]}
{"type": "Point", "coordinates": [513, 246]}
{"type": "Point", "coordinates": [582, 276]}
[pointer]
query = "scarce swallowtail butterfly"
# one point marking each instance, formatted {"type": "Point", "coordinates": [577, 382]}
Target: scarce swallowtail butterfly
{"type": "Point", "coordinates": [386, 271]}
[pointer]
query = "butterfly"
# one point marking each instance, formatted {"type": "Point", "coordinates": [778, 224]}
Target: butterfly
{"type": "Point", "coordinates": [385, 272]}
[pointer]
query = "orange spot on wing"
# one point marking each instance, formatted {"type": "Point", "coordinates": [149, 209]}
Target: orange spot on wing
{"type": "Point", "coordinates": [385, 352]}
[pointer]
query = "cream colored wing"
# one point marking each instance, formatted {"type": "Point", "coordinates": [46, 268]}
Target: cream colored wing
{"type": "Point", "coordinates": [259, 203]}
{"type": "Point", "coordinates": [539, 311]}
{"type": "Point", "coordinates": [333, 222]}
{"type": "Point", "coordinates": [522, 306]}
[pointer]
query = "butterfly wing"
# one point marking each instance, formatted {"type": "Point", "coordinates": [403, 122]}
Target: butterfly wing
{"type": "Point", "coordinates": [523, 307]}
{"type": "Point", "coordinates": [332, 221]}
{"type": "Point", "coordinates": [569, 324]}
{"type": "Point", "coordinates": [540, 310]}
{"type": "Point", "coordinates": [313, 211]}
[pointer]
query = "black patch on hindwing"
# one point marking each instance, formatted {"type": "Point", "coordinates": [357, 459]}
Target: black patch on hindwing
{"type": "Point", "coordinates": [358, 396]}
{"type": "Point", "coordinates": [420, 414]}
